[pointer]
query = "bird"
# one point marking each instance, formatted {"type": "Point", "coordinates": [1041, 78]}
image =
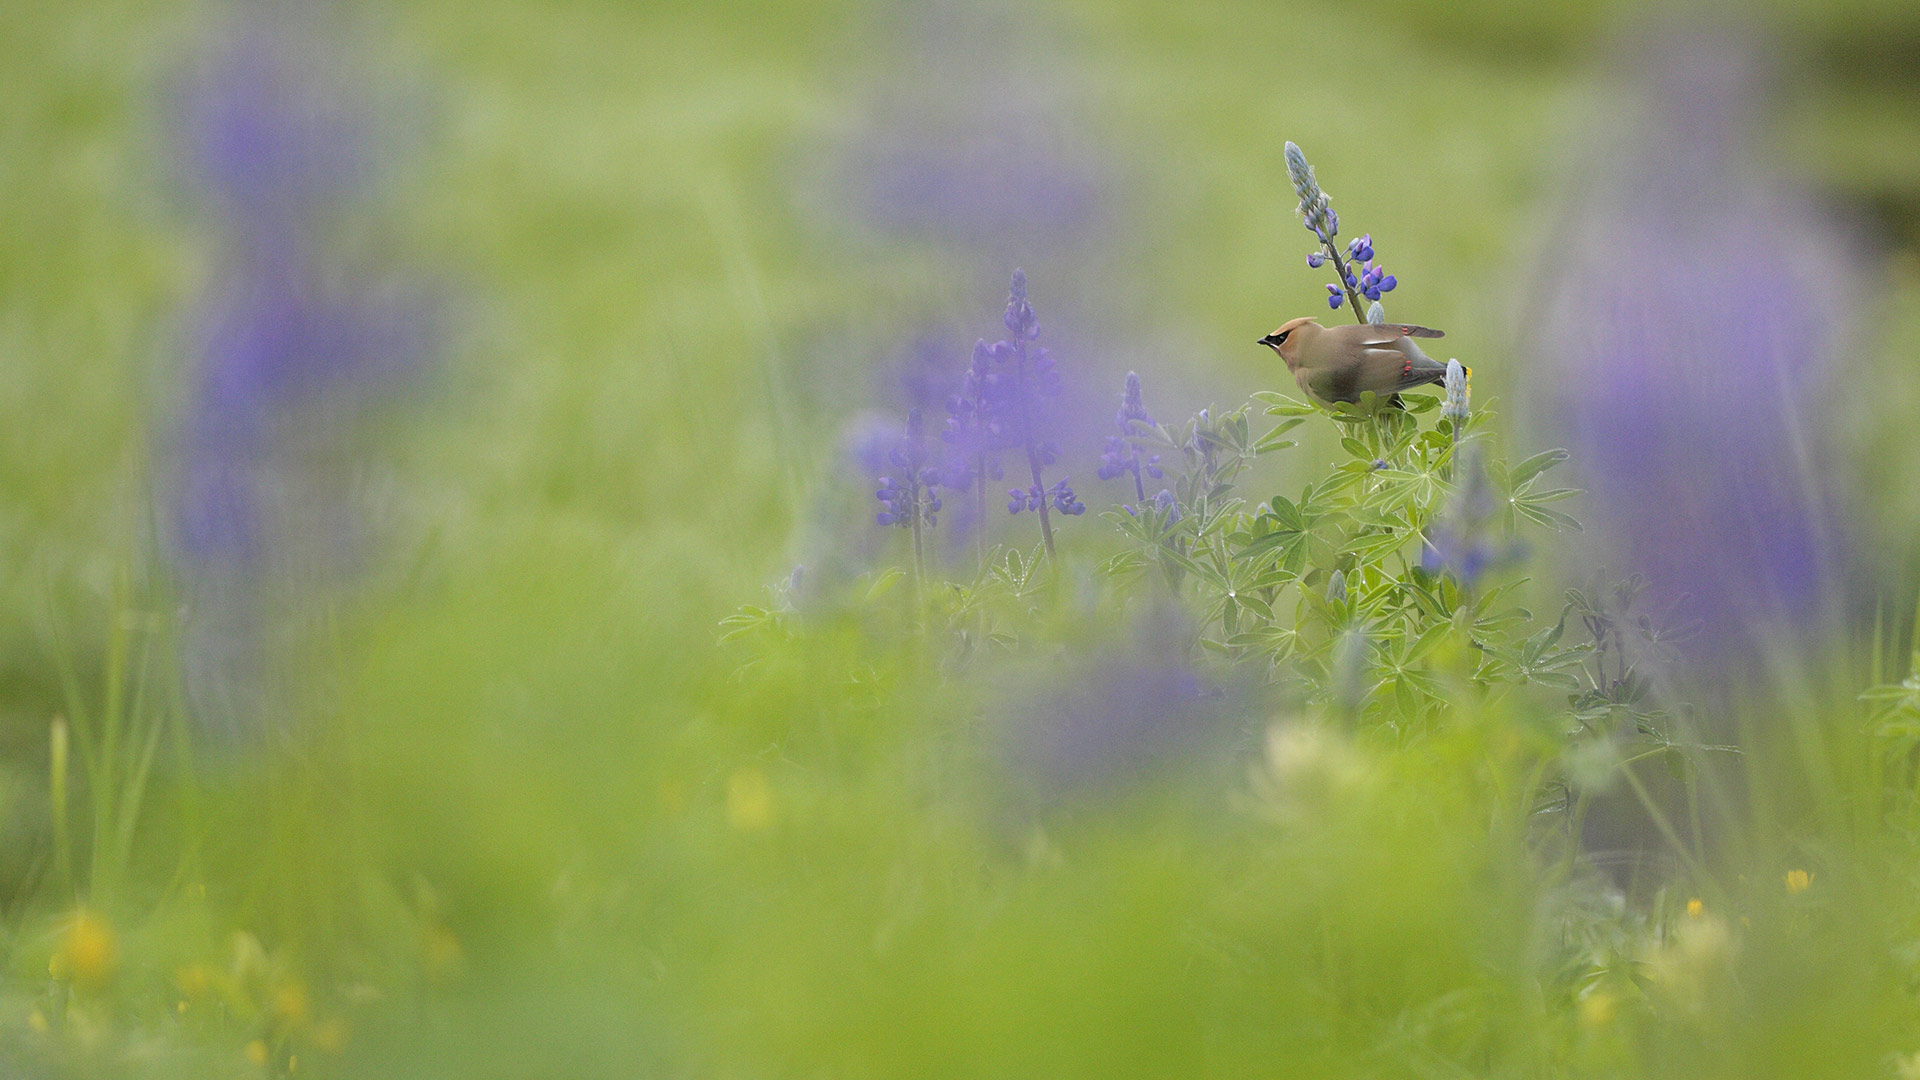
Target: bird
{"type": "Point", "coordinates": [1340, 364]}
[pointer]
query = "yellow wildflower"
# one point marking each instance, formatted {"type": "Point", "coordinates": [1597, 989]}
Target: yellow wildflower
{"type": "Point", "coordinates": [1597, 1009]}
{"type": "Point", "coordinates": [441, 953]}
{"type": "Point", "coordinates": [290, 1002]}
{"type": "Point", "coordinates": [86, 953]}
{"type": "Point", "coordinates": [329, 1035]}
{"type": "Point", "coordinates": [194, 979]}
{"type": "Point", "coordinates": [1694, 908]}
{"type": "Point", "coordinates": [749, 800]}
{"type": "Point", "coordinates": [1798, 881]}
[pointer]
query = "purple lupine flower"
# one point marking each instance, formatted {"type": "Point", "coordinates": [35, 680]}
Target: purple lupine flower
{"type": "Point", "coordinates": [1334, 296]}
{"type": "Point", "coordinates": [1095, 720]}
{"type": "Point", "coordinates": [1360, 247]}
{"type": "Point", "coordinates": [911, 492]}
{"type": "Point", "coordinates": [1465, 541]}
{"type": "Point", "coordinates": [1064, 500]}
{"type": "Point", "coordinates": [1315, 260]}
{"type": "Point", "coordinates": [945, 147]}
{"type": "Point", "coordinates": [1021, 387]}
{"type": "Point", "coordinates": [1121, 455]}
{"type": "Point", "coordinates": [1696, 312]}
{"type": "Point", "coordinates": [284, 350]}
{"type": "Point", "coordinates": [292, 349]}
{"type": "Point", "coordinates": [269, 133]}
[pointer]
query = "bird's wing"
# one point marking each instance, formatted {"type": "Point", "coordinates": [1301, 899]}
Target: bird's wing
{"type": "Point", "coordinates": [1363, 334]}
{"type": "Point", "coordinates": [1391, 370]}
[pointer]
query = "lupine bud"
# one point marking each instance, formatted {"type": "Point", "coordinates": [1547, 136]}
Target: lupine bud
{"type": "Point", "coordinates": [1458, 394]}
{"type": "Point", "coordinates": [1314, 204]}
{"type": "Point", "coordinates": [1167, 504]}
{"type": "Point", "coordinates": [1376, 314]}
{"type": "Point", "coordinates": [1315, 259]}
{"type": "Point", "coordinates": [1301, 174]}
{"type": "Point", "coordinates": [1337, 588]}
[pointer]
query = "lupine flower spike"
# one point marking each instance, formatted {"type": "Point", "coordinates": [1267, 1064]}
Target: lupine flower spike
{"type": "Point", "coordinates": [1368, 281]}
{"type": "Point", "coordinates": [1316, 211]}
{"type": "Point", "coordinates": [1024, 388]}
{"type": "Point", "coordinates": [1122, 456]}
{"type": "Point", "coordinates": [911, 493]}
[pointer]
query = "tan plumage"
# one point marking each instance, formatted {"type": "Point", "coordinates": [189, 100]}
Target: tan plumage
{"type": "Point", "coordinates": [1342, 362]}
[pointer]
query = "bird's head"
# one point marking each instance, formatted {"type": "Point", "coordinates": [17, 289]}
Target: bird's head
{"type": "Point", "coordinates": [1286, 340]}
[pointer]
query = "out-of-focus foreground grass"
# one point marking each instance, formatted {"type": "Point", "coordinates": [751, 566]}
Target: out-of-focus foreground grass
{"type": "Point", "coordinates": [517, 817]}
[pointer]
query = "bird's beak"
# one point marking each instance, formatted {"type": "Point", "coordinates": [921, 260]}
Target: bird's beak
{"type": "Point", "coordinates": [1269, 340]}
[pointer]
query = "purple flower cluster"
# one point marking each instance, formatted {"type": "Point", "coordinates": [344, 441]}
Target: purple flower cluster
{"type": "Point", "coordinates": [979, 417]}
{"type": "Point", "coordinates": [1122, 456]}
{"type": "Point", "coordinates": [1060, 495]}
{"type": "Point", "coordinates": [1367, 279]}
{"type": "Point", "coordinates": [1464, 543]}
{"type": "Point", "coordinates": [287, 351]}
{"type": "Point", "coordinates": [1707, 463]}
{"type": "Point", "coordinates": [1163, 503]}
{"type": "Point", "coordinates": [911, 492]}
{"type": "Point", "coordinates": [1006, 404]}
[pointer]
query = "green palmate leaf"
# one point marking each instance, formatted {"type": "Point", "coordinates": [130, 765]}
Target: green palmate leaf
{"type": "Point", "coordinates": [884, 583]}
{"type": "Point", "coordinates": [1286, 513]}
{"type": "Point", "coordinates": [1534, 466]}
{"type": "Point", "coordinates": [1552, 519]}
{"type": "Point", "coordinates": [1279, 404]}
{"type": "Point", "coordinates": [1374, 545]}
{"type": "Point", "coordinates": [1253, 603]}
{"type": "Point", "coordinates": [1428, 641]}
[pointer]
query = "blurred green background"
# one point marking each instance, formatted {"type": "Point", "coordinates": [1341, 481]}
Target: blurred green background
{"type": "Point", "coordinates": [530, 824]}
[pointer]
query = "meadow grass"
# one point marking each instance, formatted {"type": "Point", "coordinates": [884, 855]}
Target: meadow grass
{"type": "Point", "coordinates": [522, 814]}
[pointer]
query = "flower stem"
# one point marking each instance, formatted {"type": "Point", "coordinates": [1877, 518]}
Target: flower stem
{"type": "Point", "coordinates": [1026, 434]}
{"type": "Point", "coordinates": [1139, 488]}
{"type": "Point", "coordinates": [1046, 526]}
{"type": "Point", "coordinates": [919, 546]}
{"type": "Point", "coordinates": [980, 493]}
{"type": "Point", "coordinates": [1340, 268]}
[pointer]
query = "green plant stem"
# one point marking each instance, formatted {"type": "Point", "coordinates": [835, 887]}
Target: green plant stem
{"type": "Point", "coordinates": [1033, 454]}
{"type": "Point", "coordinates": [57, 763]}
{"type": "Point", "coordinates": [1660, 821]}
{"type": "Point", "coordinates": [980, 493]}
{"type": "Point", "coordinates": [1340, 268]}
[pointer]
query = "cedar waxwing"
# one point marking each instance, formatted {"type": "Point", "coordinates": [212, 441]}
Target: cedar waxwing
{"type": "Point", "coordinates": [1341, 363]}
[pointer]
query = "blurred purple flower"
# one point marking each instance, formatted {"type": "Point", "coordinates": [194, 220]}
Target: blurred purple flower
{"type": "Point", "coordinates": [1123, 456]}
{"type": "Point", "coordinates": [1694, 314]}
{"type": "Point", "coordinates": [911, 491]}
{"type": "Point", "coordinates": [969, 150]}
{"type": "Point", "coordinates": [291, 352]}
{"type": "Point", "coordinates": [271, 135]}
{"type": "Point", "coordinates": [1465, 541]}
{"type": "Point", "coordinates": [285, 344]}
{"type": "Point", "coordinates": [1115, 714]}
